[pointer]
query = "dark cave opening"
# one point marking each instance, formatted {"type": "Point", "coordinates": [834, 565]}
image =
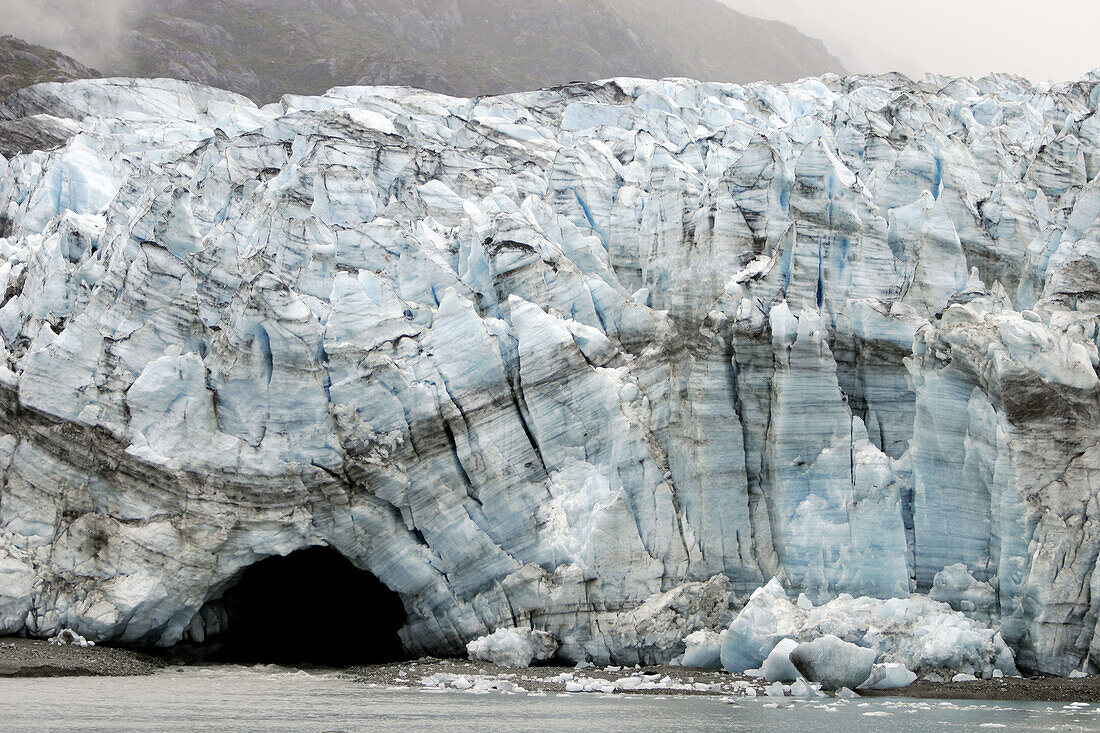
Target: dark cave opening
{"type": "Point", "coordinates": [311, 607]}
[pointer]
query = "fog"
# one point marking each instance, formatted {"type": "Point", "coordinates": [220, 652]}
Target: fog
{"type": "Point", "coordinates": [1052, 40]}
{"type": "Point", "coordinates": [87, 30]}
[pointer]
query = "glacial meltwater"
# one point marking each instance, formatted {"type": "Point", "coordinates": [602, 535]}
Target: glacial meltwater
{"type": "Point", "coordinates": [269, 698]}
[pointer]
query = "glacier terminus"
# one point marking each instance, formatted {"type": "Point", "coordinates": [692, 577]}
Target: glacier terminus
{"type": "Point", "coordinates": [599, 361]}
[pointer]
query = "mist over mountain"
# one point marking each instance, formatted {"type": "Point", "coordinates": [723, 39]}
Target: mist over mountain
{"type": "Point", "coordinates": [23, 64]}
{"type": "Point", "coordinates": [90, 30]}
{"type": "Point", "coordinates": [464, 47]}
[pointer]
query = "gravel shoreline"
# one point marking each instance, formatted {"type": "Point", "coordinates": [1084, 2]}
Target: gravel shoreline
{"type": "Point", "coordinates": [1032, 689]}
{"type": "Point", "coordinates": [36, 658]}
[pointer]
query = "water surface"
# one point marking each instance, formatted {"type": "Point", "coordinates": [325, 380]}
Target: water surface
{"type": "Point", "coordinates": [276, 699]}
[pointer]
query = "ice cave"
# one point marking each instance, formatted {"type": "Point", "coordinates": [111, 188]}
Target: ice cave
{"type": "Point", "coordinates": [312, 606]}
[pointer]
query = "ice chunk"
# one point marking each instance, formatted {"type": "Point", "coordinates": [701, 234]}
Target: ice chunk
{"type": "Point", "coordinates": [778, 667]}
{"type": "Point", "coordinates": [801, 688]}
{"type": "Point", "coordinates": [649, 633]}
{"type": "Point", "coordinates": [704, 650]}
{"type": "Point", "coordinates": [512, 647]}
{"type": "Point", "coordinates": [68, 637]}
{"type": "Point", "coordinates": [833, 662]}
{"type": "Point", "coordinates": [889, 676]}
{"type": "Point", "coordinates": [768, 617]}
{"type": "Point", "coordinates": [16, 583]}
{"type": "Point", "coordinates": [957, 587]}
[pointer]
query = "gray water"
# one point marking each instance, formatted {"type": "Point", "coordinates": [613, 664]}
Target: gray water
{"type": "Point", "coordinates": [274, 699]}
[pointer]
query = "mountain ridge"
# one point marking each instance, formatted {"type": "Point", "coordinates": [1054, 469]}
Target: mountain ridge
{"type": "Point", "coordinates": [457, 47]}
{"type": "Point", "coordinates": [23, 64]}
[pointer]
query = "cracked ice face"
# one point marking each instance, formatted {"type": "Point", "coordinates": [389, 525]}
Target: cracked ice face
{"type": "Point", "coordinates": [554, 358]}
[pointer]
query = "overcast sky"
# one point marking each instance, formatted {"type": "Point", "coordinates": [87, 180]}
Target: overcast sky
{"type": "Point", "coordinates": [1055, 40]}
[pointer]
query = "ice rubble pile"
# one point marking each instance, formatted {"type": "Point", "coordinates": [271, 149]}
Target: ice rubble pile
{"type": "Point", "coordinates": [541, 359]}
{"type": "Point", "coordinates": [889, 641]}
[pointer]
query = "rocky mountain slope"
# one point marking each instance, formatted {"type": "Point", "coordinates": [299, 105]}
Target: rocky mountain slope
{"type": "Point", "coordinates": [589, 359]}
{"type": "Point", "coordinates": [23, 64]}
{"type": "Point", "coordinates": [707, 40]}
{"type": "Point", "coordinates": [467, 47]}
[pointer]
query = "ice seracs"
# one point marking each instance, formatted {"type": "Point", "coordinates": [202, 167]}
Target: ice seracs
{"type": "Point", "coordinates": [598, 361]}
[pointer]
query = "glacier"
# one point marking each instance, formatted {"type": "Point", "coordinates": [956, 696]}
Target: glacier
{"type": "Point", "coordinates": [587, 360]}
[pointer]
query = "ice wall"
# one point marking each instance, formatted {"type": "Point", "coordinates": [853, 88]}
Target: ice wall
{"type": "Point", "coordinates": [544, 359]}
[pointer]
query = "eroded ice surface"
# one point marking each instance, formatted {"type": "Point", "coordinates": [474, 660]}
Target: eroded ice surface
{"type": "Point", "coordinates": [555, 359]}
